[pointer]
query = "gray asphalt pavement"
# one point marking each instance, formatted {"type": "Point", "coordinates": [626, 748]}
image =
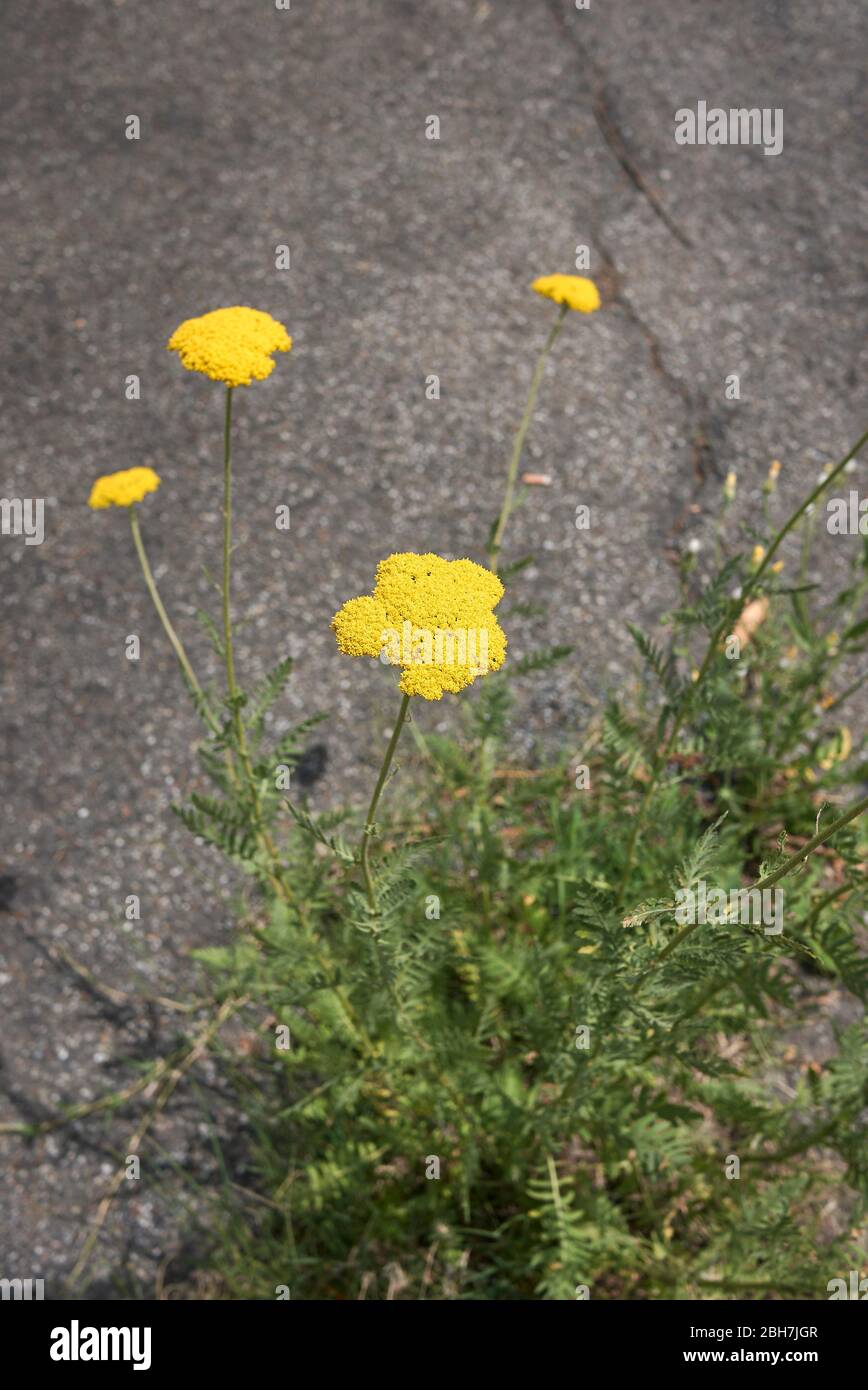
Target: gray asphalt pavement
{"type": "Point", "coordinates": [408, 257]}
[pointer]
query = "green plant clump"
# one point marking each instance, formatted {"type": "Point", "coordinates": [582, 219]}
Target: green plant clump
{"type": "Point", "coordinates": [541, 1033]}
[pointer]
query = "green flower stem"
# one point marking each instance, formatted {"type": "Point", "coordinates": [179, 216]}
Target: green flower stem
{"type": "Point", "coordinates": [275, 873]}
{"type": "Point", "coordinates": [228, 655]}
{"type": "Point", "coordinates": [372, 809]}
{"type": "Point", "coordinates": [713, 646]}
{"type": "Point", "coordinates": [275, 870]}
{"type": "Point", "coordinates": [425, 1047]}
{"type": "Point", "coordinates": [175, 641]}
{"type": "Point", "coordinates": [512, 475]}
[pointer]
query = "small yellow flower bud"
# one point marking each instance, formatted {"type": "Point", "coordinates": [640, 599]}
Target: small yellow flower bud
{"type": "Point", "coordinates": [771, 481]}
{"type": "Point", "coordinates": [759, 554]}
{"type": "Point", "coordinates": [730, 486]}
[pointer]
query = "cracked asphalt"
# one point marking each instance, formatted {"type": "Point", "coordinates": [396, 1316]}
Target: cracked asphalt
{"type": "Point", "coordinates": [409, 257]}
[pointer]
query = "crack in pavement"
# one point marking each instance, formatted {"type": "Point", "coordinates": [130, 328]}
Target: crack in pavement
{"type": "Point", "coordinates": [607, 124]}
{"type": "Point", "coordinates": [703, 455]}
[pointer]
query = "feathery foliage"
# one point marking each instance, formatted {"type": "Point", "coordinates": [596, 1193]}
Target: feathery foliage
{"type": "Point", "coordinates": [523, 1076]}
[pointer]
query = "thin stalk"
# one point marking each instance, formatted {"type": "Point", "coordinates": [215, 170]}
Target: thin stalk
{"type": "Point", "coordinates": [425, 1047]}
{"type": "Point", "coordinates": [793, 862]}
{"type": "Point", "coordinates": [174, 639]}
{"type": "Point", "coordinates": [748, 590]}
{"type": "Point", "coordinates": [372, 809]}
{"type": "Point", "coordinates": [274, 871]}
{"type": "Point", "coordinates": [512, 474]}
{"type": "Point", "coordinates": [228, 654]}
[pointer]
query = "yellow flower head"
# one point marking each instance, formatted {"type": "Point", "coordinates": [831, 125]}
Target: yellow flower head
{"type": "Point", "coordinates": [123, 489]}
{"type": "Point", "coordinates": [573, 290]}
{"type": "Point", "coordinates": [234, 346]}
{"type": "Point", "coordinates": [432, 617]}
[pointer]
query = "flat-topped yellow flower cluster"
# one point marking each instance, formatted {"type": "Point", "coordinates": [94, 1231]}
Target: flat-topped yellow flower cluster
{"type": "Point", "coordinates": [430, 616]}
{"type": "Point", "coordinates": [575, 291]}
{"type": "Point", "coordinates": [234, 346]}
{"type": "Point", "coordinates": [123, 489]}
